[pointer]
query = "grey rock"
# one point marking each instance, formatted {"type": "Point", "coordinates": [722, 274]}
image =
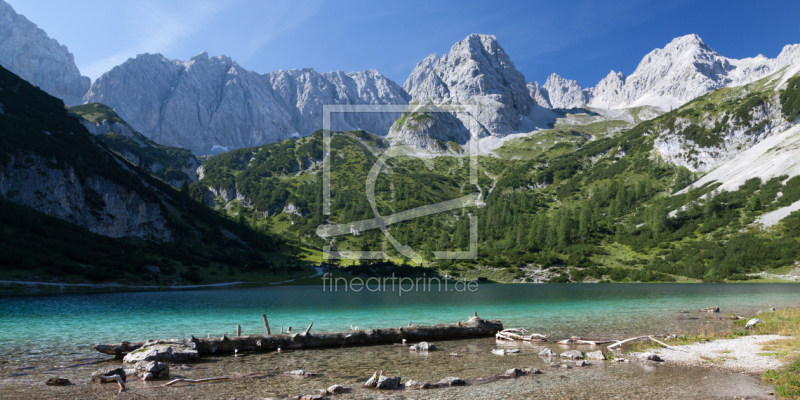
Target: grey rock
{"type": "Point", "coordinates": [573, 354]}
{"type": "Point", "coordinates": [212, 104]}
{"type": "Point", "coordinates": [581, 363]}
{"type": "Point", "coordinates": [498, 352]}
{"type": "Point", "coordinates": [564, 93]}
{"type": "Point", "coordinates": [532, 371]}
{"type": "Point", "coordinates": [337, 389]}
{"type": "Point", "coordinates": [514, 372]}
{"type": "Point", "coordinates": [596, 355]}
{"type": "Point", "coordinates": [28, 52]}
{"type": "Point", "coordinates": [58, 382]}
{"type": "Point", "coordinates": [152, 369]}
{"type": "Point", "coordinates": [512, 351]}
{"type": "Point", "coordinates": [651, 357]}
{"type": "Point", "coordinates": [420, 385]}
{"type": "Point", "coordinates": [548, 353]}
{"type": "Point", "coordinates": [97, 376]}
{"type": "Point", "coordinates": [422, 346]}
{"type": "Point", "coordinates": [753, 322]}
{"type": "Point", "coordinates": [388, 382]}
{"type": "Point", "coordinates": [452, 381]}
{"type": "Point", "coordinates": [164, 351]}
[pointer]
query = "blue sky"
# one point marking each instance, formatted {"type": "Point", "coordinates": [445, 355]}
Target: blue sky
{"type": "Point", "coordinates": [580, 40]}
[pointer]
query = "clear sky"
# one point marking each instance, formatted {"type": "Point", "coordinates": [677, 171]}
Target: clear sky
{"type": "Point", "coordinates": [580, 40]}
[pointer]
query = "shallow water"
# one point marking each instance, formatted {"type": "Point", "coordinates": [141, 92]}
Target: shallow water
{"type": "Point", "coordinates": [43, 336]}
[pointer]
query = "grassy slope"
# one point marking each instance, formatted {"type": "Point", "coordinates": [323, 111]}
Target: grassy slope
{"type": "Point", "coordinates": [164, 162]}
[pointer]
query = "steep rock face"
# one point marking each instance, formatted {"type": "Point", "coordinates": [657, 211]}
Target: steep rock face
{"type": "Point", "coordinates": [564, 93]}
{"type": "Point", "coordinates": [683, 70]}
{"type": "Point", "coordinates": [96, 203]}
{"type": "Point", "coordinates": [539, 95]}
{"type": "Point", "coordinates": [476, 71]}
{"type": "Point", "coordinates": [211, 104]}
{"type": "Point", "coordinates": [28, 52]}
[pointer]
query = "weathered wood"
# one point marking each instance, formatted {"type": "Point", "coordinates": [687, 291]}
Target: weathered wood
{"type": "Point", "coordinates": [627, 340]}
{"type": "Point", "coordinates": [238, 330]}
{"type": "Point", "coordinates": [475, 327]}
{"type": "Point", "coordinates": [309, 327]}
{"type": "Point", "coordinates": [266, 324]}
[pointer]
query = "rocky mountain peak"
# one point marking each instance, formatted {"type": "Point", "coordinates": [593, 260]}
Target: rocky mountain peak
{"type": "Point", "coordinates": [28, 52]}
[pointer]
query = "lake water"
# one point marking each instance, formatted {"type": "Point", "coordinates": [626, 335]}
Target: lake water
{"type": "Point", "coordinates": [52, 334]}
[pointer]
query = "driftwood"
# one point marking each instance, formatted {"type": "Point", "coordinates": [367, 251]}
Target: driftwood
{"type": "Point", "coordinates": [475, 327]}
{"type": "Point", "coordinates": [266, 324]}
{"type": "Point", "coordinates": [519, 334]}
{"type": "Point", "coordinates": [619, 342]}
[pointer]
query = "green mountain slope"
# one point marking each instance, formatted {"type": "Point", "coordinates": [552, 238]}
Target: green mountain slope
{"type": "Point", "coordinates": [171, 164]}
{"type": "Point", "coordinates": [602, 209]}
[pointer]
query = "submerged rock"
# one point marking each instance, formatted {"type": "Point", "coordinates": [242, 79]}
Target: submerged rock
{"type": "Point", "coordinates": [299, 372]}
{"type": "Point", "coordinates": [514, 372]}
{"type": "Point", "coordinates": [652, 357]}
{"type": "Point", "coordinates": [164, 351]}
{"type": "Point", "coordinates": [574, 354]}
{"type": "Point", "coordinates": [596, 355]}
{"type": "Point", "coordinates": [498, 352]}
{"type": "Point", "coordinates": [548, 353]}
{"type": "Point", "coordinates": [581, 363]}
{"type": "Point", "coordinates": [422, 346]}
{"type": "Point", "coordinates": [97, 377]}
{"type": "Point", "coordinates": [420, 385]}
{"type": "Point", "coordinates": [337, 389]}
{"type": "Point", "coordinates": [532, 370]}
{"type": "Point", "coordinates": [452, 381]}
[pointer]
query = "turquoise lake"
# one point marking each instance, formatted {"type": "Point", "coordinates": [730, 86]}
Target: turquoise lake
{"type": "Point", "coordinates": [43, 336]}
{"type": "Point", "coordinates": [77, 320]}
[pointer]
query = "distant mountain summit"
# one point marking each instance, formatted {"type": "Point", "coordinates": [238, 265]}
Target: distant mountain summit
{"type": "Point", "coordinates": [476, 71]}
{"type": "Point", "coordinates": [666, 78]}
{"type": "Point", "coordinates": [28, 52]}
{"type": "Point", "coordinates": [212, 104]}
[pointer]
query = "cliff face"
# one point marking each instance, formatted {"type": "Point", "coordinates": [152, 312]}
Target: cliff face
{"type": "Point", "coordinates": [94, 202]}
{"type": "Point", "coordinates": [28, 52]}
{"type": "Point", "coordinates": [211, 104]}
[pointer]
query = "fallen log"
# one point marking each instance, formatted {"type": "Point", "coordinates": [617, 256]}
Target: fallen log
{"type": "Point", "coordinates": [474, 327]}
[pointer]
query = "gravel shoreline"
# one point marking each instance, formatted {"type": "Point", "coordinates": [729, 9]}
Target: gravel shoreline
{"type": "Point", "coordinates": [739, 354]}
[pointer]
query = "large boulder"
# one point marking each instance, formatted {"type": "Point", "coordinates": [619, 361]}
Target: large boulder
{"type": "Point", "coordinates": [164, 351]}
{"type": "Point", "coordinates": [574, 354]}
{"type": "Point", "coordinates": [388, 382]}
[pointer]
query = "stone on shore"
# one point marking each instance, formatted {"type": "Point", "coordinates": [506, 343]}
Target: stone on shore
{"type": "Point", "coordinates": [452, 381]}
{"type": "Point", "coordinates": [420, 385]}
{"type": "Point", "coordinates": [581, 363]}
{"type": "Point", "coordinates": [58, 382]}
{"type": "Point", "coordinates": [548, 353]}
{"type": "Point", "coordinates": [152, 370]}
{"type": "Point", "coordinates": [652, 357]}
{"type": "Point", "coordinates": [499, 352]}
{"type": "Point", "coordinates": [337, 389]}
{"type": "Point", "coordinates": [753, 322]}
{"type": "Point", "coordinates": [596, 355]}
{"type": "Point", "coordinates": [531, 371]}
{"type": "Point", "coordinates": [573, 354]}
{"type": "Point", "coordinates": [164, 351]}
{"type": "Point", "coordinates": [514, 372]}
{"type": "Point", "coordinates": [422, 346]}
{"type": "Point", "coordinates": [388, 382]}
{"type": "Point", "coordinates": [97, 377]}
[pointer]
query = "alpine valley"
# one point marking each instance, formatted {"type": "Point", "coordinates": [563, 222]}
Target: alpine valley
{"type": "Point", "coordinates": [167, 172]}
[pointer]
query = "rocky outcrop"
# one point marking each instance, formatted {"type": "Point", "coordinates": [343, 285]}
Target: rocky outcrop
{"type": "Point", "coordinates": [478, 72]}
{"type": "Point", "coordinates": [95, 202]}
{"type": "Point", "coordinates": [539, 95]}
{"type": "Point", "coordinates": [212, 104]}
{"type": "Point", "coordinates": [28, 52]}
